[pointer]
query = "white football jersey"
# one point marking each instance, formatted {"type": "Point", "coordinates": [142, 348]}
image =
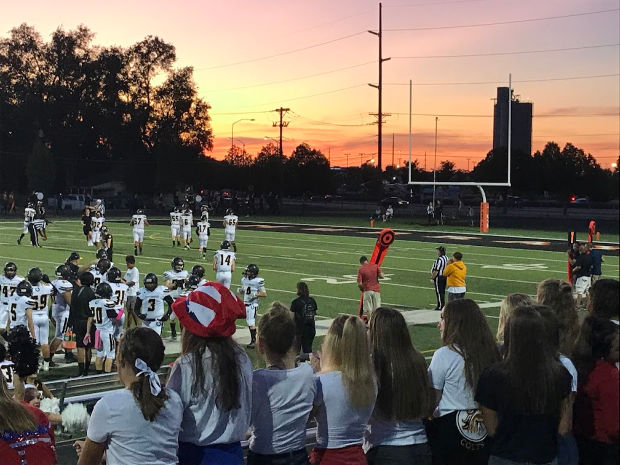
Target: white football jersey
{"type": "Point", "coordinates": [97, 223]}
{"type": "Point", "coordinates": [41, 294]}
{"type": "Point", "coordinates": [153, 301]}
{"type": "Point", "coordinates": [138, 222]}
{"type": "Point", "coordinates": [99, 309]}
{"type": "Point", "coordinates": [251, 287]}
{"type": "Point", "coordinates": [177, 281]}
{"type": "Point", "coordinates": [7, 288]}
{"type": "Point", "coordinates": [61, 286]}
{"type": "Point", "coordinates": [7, 370]}
{"type": "Point", "coordinates": [29, 214]}
{"type": "Point", "coordinates": [99, 277]}
{"type": "Point", "coordinates": [175, 218]}
{"type": "Point", "coordinates": [186, 220]}
{"type": "Point", "coordinates": [17, 309]}
{"type": "Point", "coordinates": [202, 227]}
{"type": "Point", "coordinates": [230, 222]}
{"type": "Point", "coordinates": [119, 295]}
{"type": "Point", "coordinates": [224, 259]}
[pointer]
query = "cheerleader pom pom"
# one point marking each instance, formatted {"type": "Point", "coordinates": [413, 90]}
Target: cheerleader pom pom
{"type": "Point", "coordinates": [75, 418]}
{"type": "Point", "coordinates": [50, 405]}
{"type": "Point", "coordinates": [24, 351]}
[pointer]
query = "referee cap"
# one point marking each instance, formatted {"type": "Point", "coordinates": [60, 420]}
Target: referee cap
{"type": "Point", "coordinates": [442, 249]}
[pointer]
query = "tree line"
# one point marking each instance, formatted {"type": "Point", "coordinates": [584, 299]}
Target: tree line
{"type": "Point", "coordinates": [73, 114]}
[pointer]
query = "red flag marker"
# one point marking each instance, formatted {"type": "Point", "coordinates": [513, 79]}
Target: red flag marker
{"type": "Point", "coordinates": [385, 239]}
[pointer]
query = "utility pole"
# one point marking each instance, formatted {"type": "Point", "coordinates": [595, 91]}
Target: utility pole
{"type": "Point", "coordinates": [468, 164]}
{"type": "Point", "coordinates": [329, 156]}
{"type": "Point", "coordinates": [379, 88]}
{"type": "Point", "coordinates": [435, 162]}
{"type": "Point", "coordinates": [392, 150]}
{"type": "Point", "coordinates": [347, 154]}
{"type": "Point", "coordinates": [281, 124]}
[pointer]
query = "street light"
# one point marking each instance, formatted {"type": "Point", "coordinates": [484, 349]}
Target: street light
{"type": "Point", "coordinates": [435, 163]}
{"type": "Point", "coordinates": [232, 130]}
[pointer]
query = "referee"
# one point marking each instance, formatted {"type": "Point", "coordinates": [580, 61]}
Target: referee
{"type": "Point", "coordinates": [438, 278]}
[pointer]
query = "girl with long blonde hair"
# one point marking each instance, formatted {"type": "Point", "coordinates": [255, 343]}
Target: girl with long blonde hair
{"type": "Point", "coordinates": [346, 393]}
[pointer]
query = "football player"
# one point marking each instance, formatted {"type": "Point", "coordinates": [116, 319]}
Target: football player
{"type": "Point", "coordinates": [100, 269]}
{"type": "Point", "coordinates": [8, 284]}
{"type": "Point", "coordinates": [138, 221]}
{"type": "Point", "coordinates": [252, 287]}
{"type": "Point", "coordinates": [38, 225]}
{"type": "Point", "coordinates": [230, 227]}
{"type": "Point", "coordinates": [97, 224]}
{"type": "Point", "coordinates": [29, 213]}
{"type": "Point", "coordinates": [204, 212]}
{"type": "Point", "coordinates": [61, 301]}
{"type": "Point", "coordinates": [203, 230]}
{"type": "Point", "coordinates": [224, 264]}
{"type": "Point", "coordinates": [21, 306]}
{"type": "Point", "coordinates": [104, 310]}
{"type": "Point", "coordinates": [107, 242]}
{"type": "Point", "coordinates": [175, 227]}
{"type": "Point", "coordinates": [186, 222]}
{"type": "Point", "coordinates": [150, 303]}
{"type": "Point", "coordinates": [199, 270]}
{"type": "Point", "coordinates": [41, 295]}
{"type": "Point", "coordinates": [119, 296]}
{"type": "Point", "coordinates": [174, 280]}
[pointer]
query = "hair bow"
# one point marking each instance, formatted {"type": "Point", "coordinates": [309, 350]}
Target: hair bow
{"type": "Point", "coordinates": [153, 377]}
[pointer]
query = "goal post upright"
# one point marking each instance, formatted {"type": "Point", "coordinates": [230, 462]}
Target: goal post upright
{"type": "Point", "coordinates": [484, 205]}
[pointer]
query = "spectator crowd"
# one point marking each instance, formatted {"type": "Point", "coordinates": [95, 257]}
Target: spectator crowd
{"type": "Point", "coordinates": [543, 390]}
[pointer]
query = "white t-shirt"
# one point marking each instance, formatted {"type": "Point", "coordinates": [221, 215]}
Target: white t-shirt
{"type": "Point", "coordinates": [131, 439]}
{"type": "Point", "coordinates": [339, 424]}
{"type": "Point", "coordinates": [572, 370]}
{"type": "Point", "coordinates": [281, 404]}
{"type": "Point", "coordinates": [447, 374]}
{"type": "Point", "coordinates": [203, 422]}
{"type": "Point", "coordinates": [132, 276]}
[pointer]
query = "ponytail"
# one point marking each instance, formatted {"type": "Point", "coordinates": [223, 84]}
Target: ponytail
{"type": "Point", "coordinates": [149, 404]}
{"type": "Point", "coordinates": [143, 350]}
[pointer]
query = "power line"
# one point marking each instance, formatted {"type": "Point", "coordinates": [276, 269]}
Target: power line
{"type": "Point", "coordinates": [519, 52]}
{"type": "Point", "coordinates": [568, 78]}
{"type": "Point", "coordinates": [288, 52]}
{"type": "Point", "coordinates": [500, 23]}
{"type": "Point", "coordinates": [293, 79]}
{"type": "Point", "coordinates": [582, 115]}
{"type": "Point", "coordinates": [304, 97]}
{"type": "Point", "coordinates": [329, 123]}
{"type": "Point", "coordinates": [415, 5]}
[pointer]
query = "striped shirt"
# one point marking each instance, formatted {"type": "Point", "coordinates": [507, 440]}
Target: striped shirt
{"type": "Point", "coordinates": [39, 224]}
{"type": "Point", "coordinates": [439, 265]}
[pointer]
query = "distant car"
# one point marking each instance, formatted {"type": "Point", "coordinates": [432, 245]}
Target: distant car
{"type": "Point", "coordinates": [580, 201]}
{"type": "Point", "coordinates": [394, 202]}
{"type": "Point", "coordinates": [73, 202]}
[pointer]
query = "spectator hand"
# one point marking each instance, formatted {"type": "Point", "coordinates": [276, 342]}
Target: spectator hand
{"type": "Point", "coordinates": [86, 339]}
{"type": "Point", "coordinates": [78, 446]}
{"type": "Point", "coordinates": [315, 361]}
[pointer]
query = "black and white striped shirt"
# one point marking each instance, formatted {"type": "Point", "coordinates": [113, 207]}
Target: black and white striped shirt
{"type": "Point", "coordinates": [39, 224]}
{"type": "Point", "coordinates": [440, 264]}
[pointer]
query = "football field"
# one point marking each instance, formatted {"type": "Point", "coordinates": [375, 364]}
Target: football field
{"type": "Point", "coordinates": [326, 258]}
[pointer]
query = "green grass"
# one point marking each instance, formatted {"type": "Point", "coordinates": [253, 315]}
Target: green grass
{"type": "Point", "coordinates": [328, 263]}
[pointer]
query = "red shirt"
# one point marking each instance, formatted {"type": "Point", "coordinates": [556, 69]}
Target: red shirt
{"type": "Point", "coordinates": [368, 277]}
{"type": "Point", "coordinates": [42, 452]}
{"type": "Point", "coordinates": [596, 405]}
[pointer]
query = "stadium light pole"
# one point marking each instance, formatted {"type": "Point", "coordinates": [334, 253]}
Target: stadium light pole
{"type": "Point", "coordinates": [232, 130]}
{"type": "Point", "coordinates": [435, 162]}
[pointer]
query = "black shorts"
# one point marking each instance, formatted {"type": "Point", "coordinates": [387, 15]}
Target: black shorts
{"type": "Point", "coordinates": [79, 328]}
{"type": "Point", "coordinates": [86, 230]}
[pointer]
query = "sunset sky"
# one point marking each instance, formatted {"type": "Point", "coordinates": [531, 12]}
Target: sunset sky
{"type": "Point", "coordinates": [317, 58]}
